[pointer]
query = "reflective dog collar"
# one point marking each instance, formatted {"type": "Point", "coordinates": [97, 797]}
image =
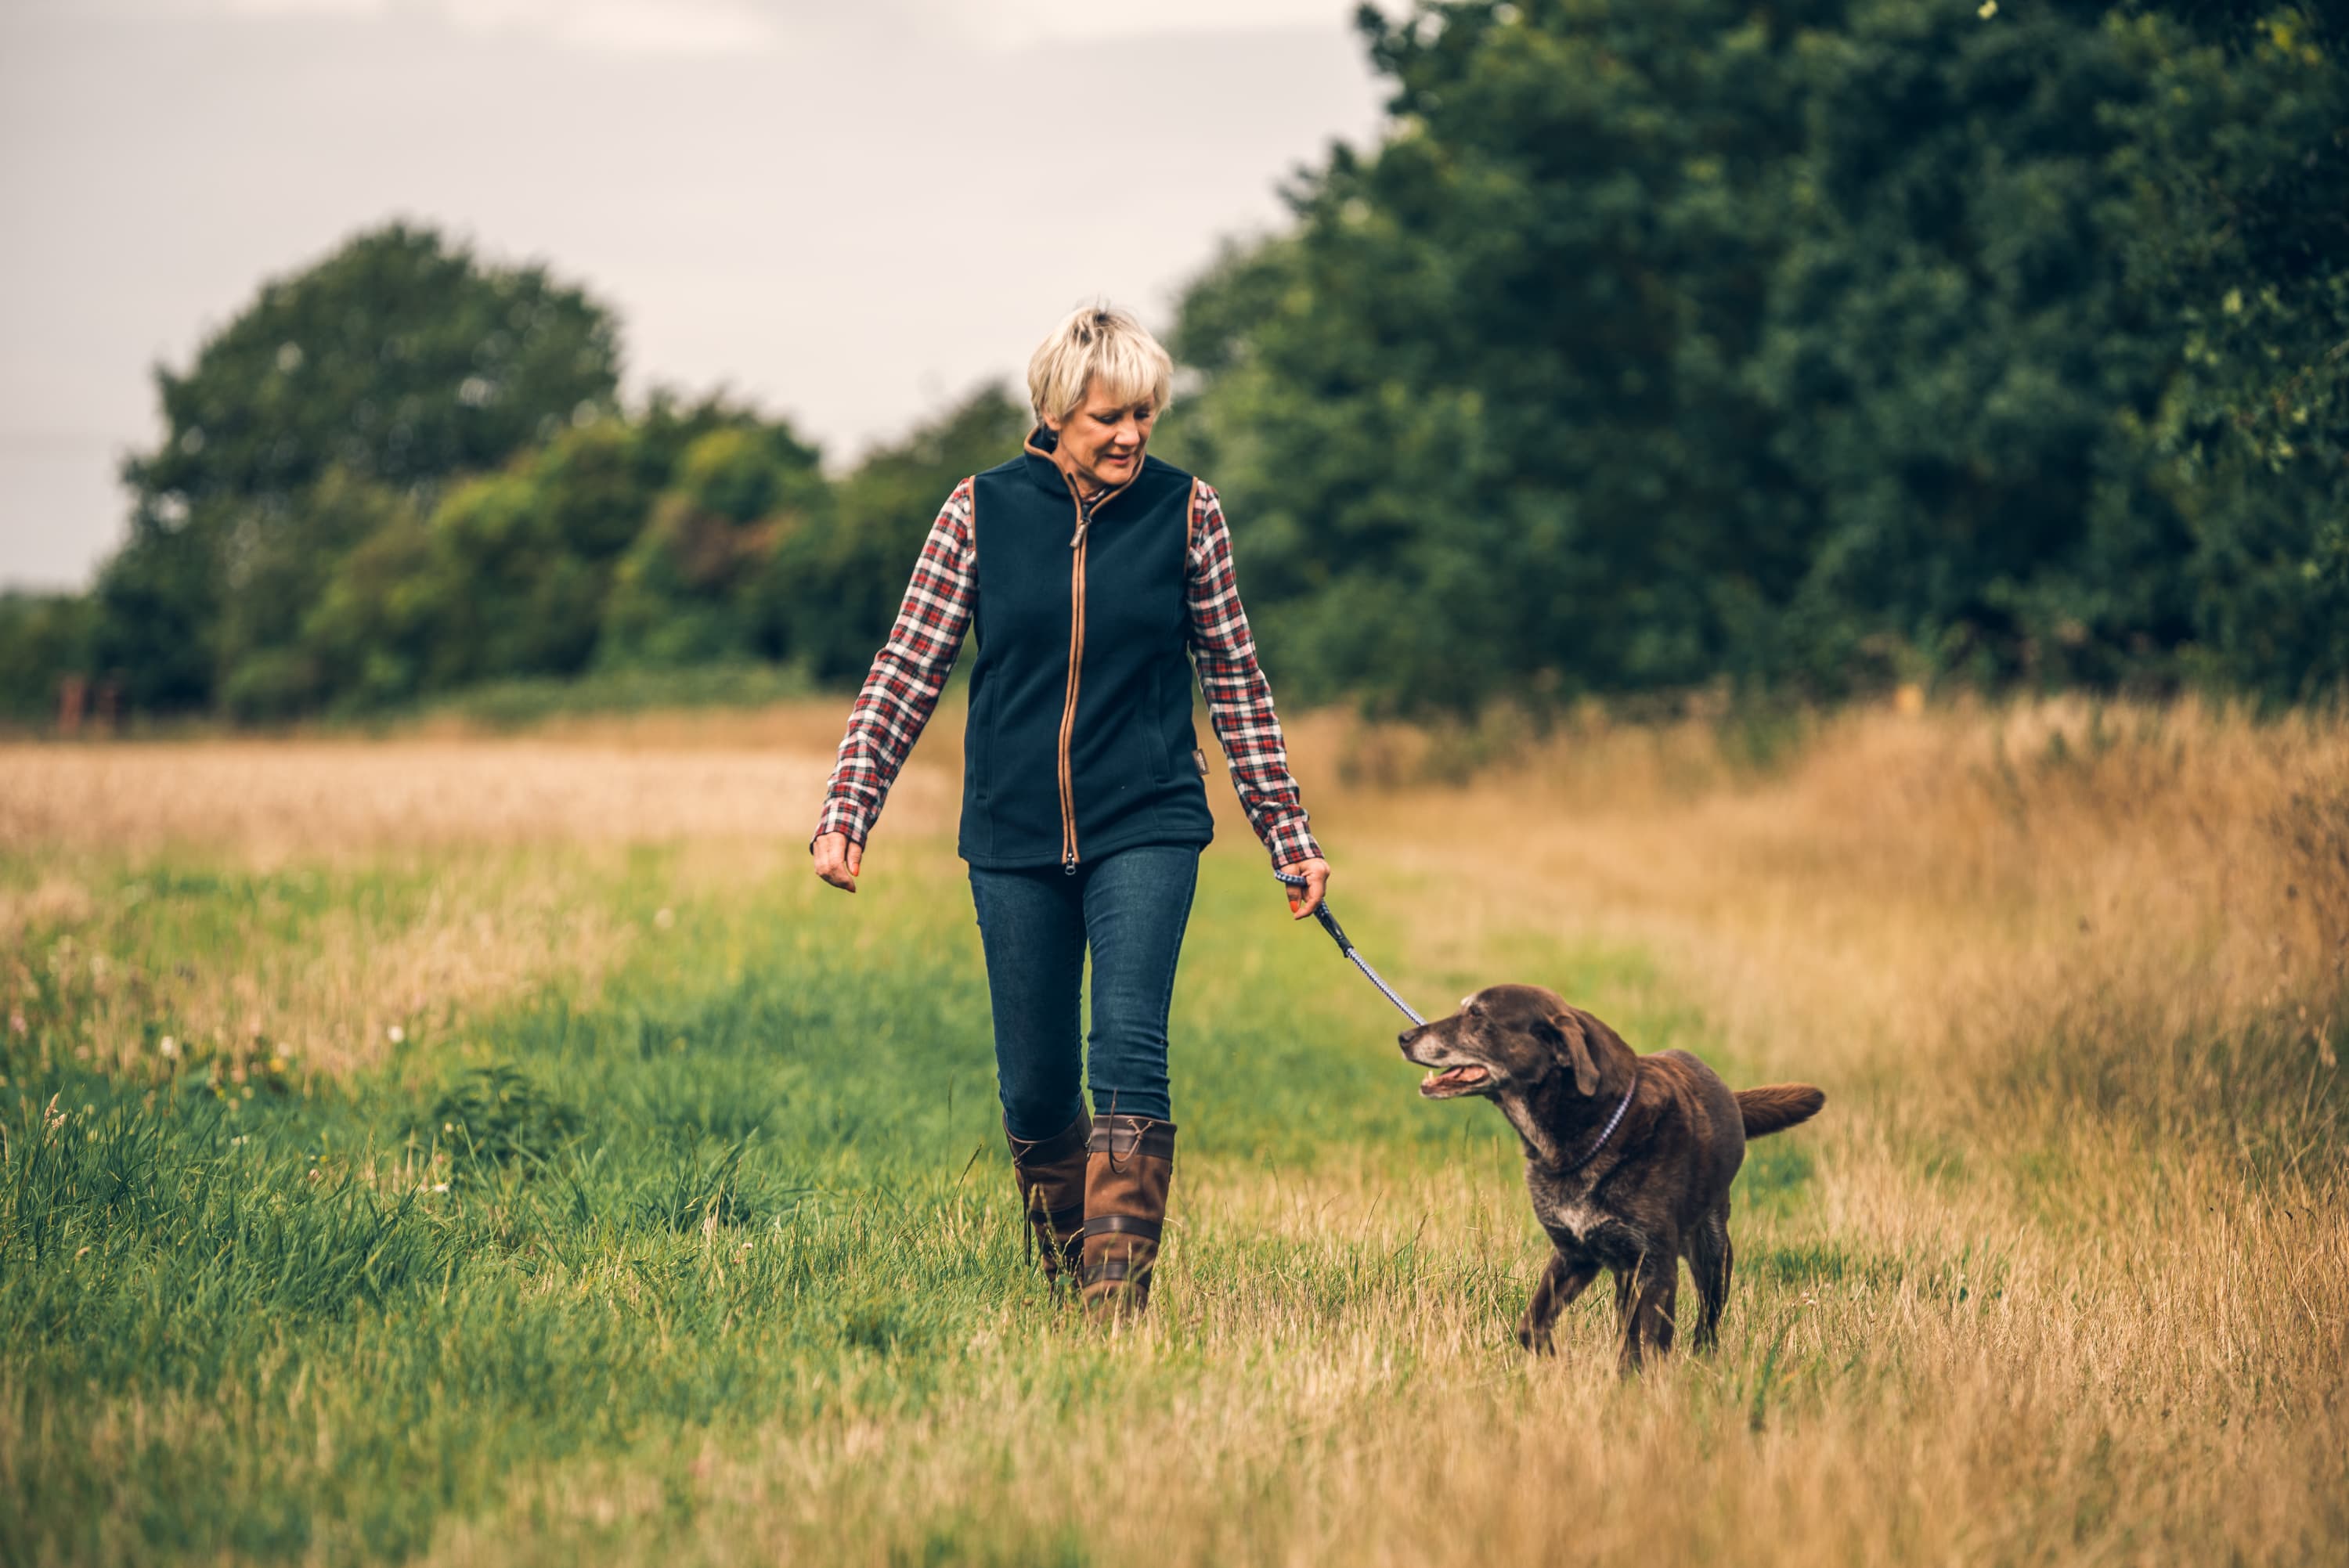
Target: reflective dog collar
{"type": "Point", "coordinates": [1608, 1131]}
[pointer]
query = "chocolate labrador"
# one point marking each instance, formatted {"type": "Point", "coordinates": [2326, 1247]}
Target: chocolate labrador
{"type": "Point", "coordinates": [1628, 1158]}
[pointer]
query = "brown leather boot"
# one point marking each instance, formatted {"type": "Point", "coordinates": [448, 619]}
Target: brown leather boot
{"type": "Point", "coordinates": [1127, 1171]}
{"type": "Point", "coordinates": [1051, 1175]}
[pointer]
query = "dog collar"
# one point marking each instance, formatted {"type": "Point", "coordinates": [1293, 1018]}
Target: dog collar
{"type": "Point", "coordinates": [1608, 1131]}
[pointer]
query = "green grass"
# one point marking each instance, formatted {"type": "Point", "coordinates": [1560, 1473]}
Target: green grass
{"type": "Point", "coordinates": [761, 1181]}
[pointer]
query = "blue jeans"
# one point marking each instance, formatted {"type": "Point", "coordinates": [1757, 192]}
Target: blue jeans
{"type": "Point", "coordinates": [1129, 908]}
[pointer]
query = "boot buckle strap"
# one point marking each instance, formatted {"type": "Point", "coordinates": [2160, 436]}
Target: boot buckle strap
{"type": "Point", "coordinates": [1035, 1153]}
{"type": "Point", "coordinates": [1124, 1224]}
{"type": "Point", "coordinates": [1124, 1137]}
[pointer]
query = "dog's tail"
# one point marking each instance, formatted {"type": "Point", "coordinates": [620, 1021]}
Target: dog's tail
{"type": "Point", "coordinates": [1776, 1107]}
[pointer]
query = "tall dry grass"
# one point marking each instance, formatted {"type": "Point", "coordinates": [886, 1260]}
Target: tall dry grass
{"type": "Point", "coordinates": [2020, 917]}
{"type": "Point", "coordinates": [2065, 1281]}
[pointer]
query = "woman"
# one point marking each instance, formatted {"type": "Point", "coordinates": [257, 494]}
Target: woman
{"type": "Point", "coordinates": [1088, 572]}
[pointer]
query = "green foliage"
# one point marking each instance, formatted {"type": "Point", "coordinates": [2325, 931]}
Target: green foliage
{"type": "Point", "coordinates": [831, 590]}
{"type": "Point", "coordinates": [520, 701]}
{"type": "Point", "coordinates": [1817, 346]}
{"type": "Point", "coordinates": [400, 357]}
{"type": "Point", "coordinates": [2251, 438]}
{"type": "Point", "coordinates": [43, 639]}
{"type": "Point", "coordinates": [685, 591]}
{"type": "Point", "coordinates": [1805, 348]}
{"type": "Point", "coordinates": [498, 1113]}
{"type": "Point", "coordinates": [366, 380]}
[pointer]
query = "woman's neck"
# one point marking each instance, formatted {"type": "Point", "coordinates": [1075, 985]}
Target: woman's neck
{"type": "Point", "coordinates": [1087, 487]}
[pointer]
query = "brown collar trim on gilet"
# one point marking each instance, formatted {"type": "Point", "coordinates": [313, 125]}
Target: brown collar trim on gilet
{"type": "Point", "coordinates": [1041, 443]}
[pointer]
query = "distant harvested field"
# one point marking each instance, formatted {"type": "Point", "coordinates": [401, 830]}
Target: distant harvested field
{"type": "Point", "coordinates": [282, 800]}
{"type": "Point", "coordinates": [543, 1168]}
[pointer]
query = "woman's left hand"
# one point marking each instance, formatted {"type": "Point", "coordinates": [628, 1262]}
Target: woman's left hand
{"type": "Point", "coordinates": [1304, 901]}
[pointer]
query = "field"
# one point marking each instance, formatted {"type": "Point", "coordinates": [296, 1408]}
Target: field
{"type": "Point", "coordinates": [486, 1148]}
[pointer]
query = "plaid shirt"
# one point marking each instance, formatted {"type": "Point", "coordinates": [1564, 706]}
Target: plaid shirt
{"type": "Point", "coordinates": [911, 670]}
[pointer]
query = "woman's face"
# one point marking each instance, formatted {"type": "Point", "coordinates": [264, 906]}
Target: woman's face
{"type": "Point", "coordinates": [1102, 440]}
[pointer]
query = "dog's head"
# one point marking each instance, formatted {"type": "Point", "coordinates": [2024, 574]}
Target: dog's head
{"type": "Point", "coordinates": [1502, 1038]}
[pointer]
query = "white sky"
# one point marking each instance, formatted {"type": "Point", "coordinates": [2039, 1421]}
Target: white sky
{"type": "Point", "coordinates": [849, 213]}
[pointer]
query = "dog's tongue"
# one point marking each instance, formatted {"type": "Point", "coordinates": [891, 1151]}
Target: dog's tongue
{"type": "Point", "coordinates": [1454, 1077]}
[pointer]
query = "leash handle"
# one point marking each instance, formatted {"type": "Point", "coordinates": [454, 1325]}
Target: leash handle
{"type": "Point", "coordinates": [1321, 912]}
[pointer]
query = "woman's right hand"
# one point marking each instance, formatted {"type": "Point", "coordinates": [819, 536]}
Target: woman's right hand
{"type": "Point", "coordinates": [837, 861]}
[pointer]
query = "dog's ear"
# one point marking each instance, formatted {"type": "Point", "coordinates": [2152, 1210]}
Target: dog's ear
{"type": "Point", "coordinates": [1570, 1032]}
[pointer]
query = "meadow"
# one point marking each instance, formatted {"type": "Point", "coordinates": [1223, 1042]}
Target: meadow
{"type": "Point", "coordinates": [484, 1148]}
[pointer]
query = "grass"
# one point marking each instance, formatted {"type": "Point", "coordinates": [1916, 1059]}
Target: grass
{"type": "Point", "coordinates": [674, 1224]}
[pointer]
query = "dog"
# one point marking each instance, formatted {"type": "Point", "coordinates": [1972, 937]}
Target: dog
{"type": "Point", "coordinates": [1628, 1158]}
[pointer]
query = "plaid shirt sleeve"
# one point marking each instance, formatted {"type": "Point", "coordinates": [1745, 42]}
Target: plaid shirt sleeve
{"type": "Point", "coordinates": [1239, 702]}
{"type": "Point", "coordinates": [907, 675]}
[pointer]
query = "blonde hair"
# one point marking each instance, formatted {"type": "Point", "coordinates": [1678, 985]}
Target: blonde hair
{"type": "Point", "coordinates": [1098, 340]}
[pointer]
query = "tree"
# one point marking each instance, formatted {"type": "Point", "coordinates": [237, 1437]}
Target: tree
{"type": "Point", "coordinates": [2236, 211]}
{"type": "Point", "coordinates": [1807, 345]}
{"type": "Point", "coordinates": [831, 587]}
{"type": "Point", "coordinates": [401, 358]}
{"type": "Point", "coordinates": [43, 640]}
{"type": "Point", "coordinates": [1479, 418]}
{"type": "Point", "coordinates": [400, 362]}
{"type": "Point", "coordinates": [685, 591]}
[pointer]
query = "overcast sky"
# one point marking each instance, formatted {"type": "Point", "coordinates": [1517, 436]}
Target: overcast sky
{"type": "Point", "coordinates": [849, 213]}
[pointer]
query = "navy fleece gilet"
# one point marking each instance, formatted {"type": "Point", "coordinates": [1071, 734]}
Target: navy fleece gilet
{"type": "Point", "coordinates": [1080, 741]}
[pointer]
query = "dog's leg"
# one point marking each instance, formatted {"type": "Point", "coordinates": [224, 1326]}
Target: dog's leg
{"type": "Point", "coordinates": [1709, 1264]}
{"type": "Point", "coordinates": [1648, 1325]}
{"type": "Point", "coordinates": [1561, 1282]}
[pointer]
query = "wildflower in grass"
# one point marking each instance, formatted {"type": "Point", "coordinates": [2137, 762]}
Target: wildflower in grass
{"type": "Point", "coordinates": [168, 1046]}
{"type": "Point", "coordinates": [394, 1033]}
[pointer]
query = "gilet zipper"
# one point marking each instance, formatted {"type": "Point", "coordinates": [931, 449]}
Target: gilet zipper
{"type": "Point", "coordinates": [1069, 707]}
{"type": "Point", "coordinates": [1076, 667]}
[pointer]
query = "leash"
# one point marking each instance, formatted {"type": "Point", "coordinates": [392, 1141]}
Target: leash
{"type": "Point", "coordinates": [1338, 935]}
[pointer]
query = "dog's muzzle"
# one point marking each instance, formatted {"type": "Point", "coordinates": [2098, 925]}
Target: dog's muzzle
{"type": "Point", "coordinates": [1443, 1082]}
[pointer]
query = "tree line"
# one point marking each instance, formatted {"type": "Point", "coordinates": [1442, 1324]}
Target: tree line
{"type": "Point", "coordinates": [404, 471]}
{"type": "Point", "coordinates": [1809, 346]}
